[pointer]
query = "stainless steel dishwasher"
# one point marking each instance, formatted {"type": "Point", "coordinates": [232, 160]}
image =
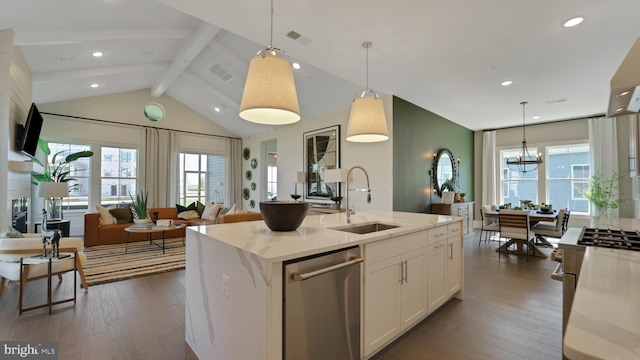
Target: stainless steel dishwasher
{"type": "Point", "coordinates": [322, 306]}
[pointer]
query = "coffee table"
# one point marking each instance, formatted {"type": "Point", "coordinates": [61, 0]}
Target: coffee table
{"type": "Point", "coordinates": [150, 230]}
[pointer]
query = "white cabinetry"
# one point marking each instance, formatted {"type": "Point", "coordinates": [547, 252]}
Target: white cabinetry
{"type": "Point", "coordinates": [454, 260]}
{"type": "Point", "coordinates": [395, 288]}
{"type": "Point", "coordinates": [463, 210]}
{"type": "Point", "coordinates": [444, 264]}
{"type": "Point", "coordinates": [634, 147]}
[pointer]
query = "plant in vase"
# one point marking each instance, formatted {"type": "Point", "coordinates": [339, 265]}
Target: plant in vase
{"type": "Point", "coordinates": [58, 170]}
{"type": "Point", "coordinates": [139, 207]}
{"type": "Point", "coordinates": [603, 194]}
{"type": "Point", "coordinates": [462, 197]}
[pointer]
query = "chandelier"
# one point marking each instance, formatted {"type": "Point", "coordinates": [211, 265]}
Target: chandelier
{"type": "Point", "coordinates": [524, 162]}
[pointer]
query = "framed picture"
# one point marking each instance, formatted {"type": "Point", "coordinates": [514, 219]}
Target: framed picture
{"type": "Point", "coordinates": [321, 153]}
{"type": "Point", "coordinates": [447, 197]}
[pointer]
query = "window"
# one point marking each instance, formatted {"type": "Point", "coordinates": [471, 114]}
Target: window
{"type": "Point", "coordinates": [201, 178]}
{"type": "Point", "coordinates": [567, 176]}
{"type": "Point", "coordinates": [80, 170]}
{"type": "Point", "coordinates": [272, 177]}
{"type": "Point", "coordinates": [517, 186]}
{"type": "Point", "coordinates": [118, 178]}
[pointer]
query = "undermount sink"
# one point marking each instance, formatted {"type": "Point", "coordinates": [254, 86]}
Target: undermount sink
{"type": "Point", "coordinates": [366, 228]}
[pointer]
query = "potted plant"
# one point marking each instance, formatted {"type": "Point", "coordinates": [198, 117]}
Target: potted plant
{"type": "Point", "coordinates": [139, 207]}
{"type": "Point", "coordinates": [58, 171]}
{"type": "Point", "coordinates": [602, 192]}
{"type": "Point", "coordinates": [462, 195]}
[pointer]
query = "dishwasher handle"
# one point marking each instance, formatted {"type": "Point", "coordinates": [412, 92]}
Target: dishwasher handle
{"type": "Point", "coordinates": [305, 276]}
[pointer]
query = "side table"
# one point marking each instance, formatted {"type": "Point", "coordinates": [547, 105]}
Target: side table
{"type": "Point", "coordinates": [24, 270]}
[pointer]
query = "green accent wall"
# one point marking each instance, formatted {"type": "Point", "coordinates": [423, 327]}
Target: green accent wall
{"type": "Point", "coordinates": [417, 135]}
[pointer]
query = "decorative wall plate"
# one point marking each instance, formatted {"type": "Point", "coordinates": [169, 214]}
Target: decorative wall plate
{"type": "Point", "coordinates": [248, 175]}
{"type": "Point", "coordinates": [253, 186]}
{"type": "Point", "coordinates": [246, 153]}
{"type": "Point", "coordinates": [252, 204]}
{"type": "Point", "coordinates": [245, 193]}
{"type": "Point", "coordinates": [254, 163]}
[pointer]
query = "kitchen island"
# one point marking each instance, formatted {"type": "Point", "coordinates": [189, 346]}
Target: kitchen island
{"type": "Point", "coordinates": [234, 278]}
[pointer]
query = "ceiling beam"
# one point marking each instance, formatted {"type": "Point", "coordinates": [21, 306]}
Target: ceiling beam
{"type": "Point", "coordinates": [205, 33]}
{"type": "Point", "coordinates": [85, 73]}
{"type": "Point", "coordinates": [60, 37]}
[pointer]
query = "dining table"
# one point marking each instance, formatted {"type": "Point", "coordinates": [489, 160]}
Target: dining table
{"type": "Point", "coordinates": [535, 216]}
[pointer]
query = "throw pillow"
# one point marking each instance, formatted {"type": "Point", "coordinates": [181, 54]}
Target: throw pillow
{"type": "Point", "coordinates": [200, 208]}
{"type": "Point", "coordinates": [10, 232]}
{"type": "Point", "coordinates": [188, 215]}
{"type": "Point", "coordinates": [233, 210]}
{"type": "Point", "coordinates": [123, 214]}
{"type": "Point", "coordinates": [181, 208]}
{"type": "Point", "coordinates": [211, 211]}
{"type": "Point", "coordinates": [222, 211]}
{"type": "Point", "coordinates": [105, 216]}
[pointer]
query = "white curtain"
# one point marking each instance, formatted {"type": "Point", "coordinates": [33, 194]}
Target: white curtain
{"type": "Point", "coordinates": [161, 167]}
{"type": "Point", "coordinates": [234, 175]}
{"type": "Point", "coordinates": [603, 143]}
{"type": "Point", "coordinates": [490, 182]}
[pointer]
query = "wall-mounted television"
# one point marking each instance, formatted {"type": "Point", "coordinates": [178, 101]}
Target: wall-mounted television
{"type": "Point", "coordinates": [29, 134]}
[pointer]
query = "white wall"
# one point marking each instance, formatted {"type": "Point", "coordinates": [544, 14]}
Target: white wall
{"type": "Point", "coordinates": [15, 100]}
{"type": "Point", "coordinates": [376, 158]}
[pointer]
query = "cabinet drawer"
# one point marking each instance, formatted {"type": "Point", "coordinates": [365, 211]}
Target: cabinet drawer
{"type": "Point", "coordinates": [454, 230]}
{"type": "Point", "coordinates": [437, 234]}
{"type": "Point", "coordinates": [463, 211]}
{"type": "Point", "coordinates": [384, 249]}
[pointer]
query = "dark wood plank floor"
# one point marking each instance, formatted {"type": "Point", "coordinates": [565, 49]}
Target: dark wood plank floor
{"type": "Point", "coordinates": [512, 310]}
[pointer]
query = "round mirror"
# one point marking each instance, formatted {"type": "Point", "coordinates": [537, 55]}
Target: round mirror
{"type": "Point", "coordinates": [154, 111]}
{"type": "Point", "coordinates": [444, 171]}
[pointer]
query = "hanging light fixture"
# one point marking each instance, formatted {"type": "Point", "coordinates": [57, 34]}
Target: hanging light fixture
{"type": "Point", "coordinates": [524, 162]}
{"type": "Point", "coordinates": [269, 95]}
{"type": "Point", "coordinates": [367, 122]}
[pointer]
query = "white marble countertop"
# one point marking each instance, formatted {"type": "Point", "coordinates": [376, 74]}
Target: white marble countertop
{"type": "Point", "coordinates": [605, 317]}
{"type": "Point", "coordinates": [314, 235]}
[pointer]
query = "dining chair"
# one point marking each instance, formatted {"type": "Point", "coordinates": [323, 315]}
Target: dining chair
{"type": "Point", "coordinates": [489, 227]}
{"type": "Point", "coordinates": [553, 229]}
{"type": "Point", "coordinates": [514, 225]}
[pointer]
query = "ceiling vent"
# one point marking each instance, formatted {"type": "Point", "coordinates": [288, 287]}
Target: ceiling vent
{"type": "Point", "coordinates": [293, 35]}
{"type": "Point", "coordinates": [67, 58]}
{"type": "Point", "coordinates": [624, 98]}
{"type": "Point", "coordinates": [221, 72]}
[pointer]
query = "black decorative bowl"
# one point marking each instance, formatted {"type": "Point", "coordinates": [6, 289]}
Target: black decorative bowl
{"type": "Point", "coordinates": [283, 215]}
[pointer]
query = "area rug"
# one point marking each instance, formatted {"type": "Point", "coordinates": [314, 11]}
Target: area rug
{"type": "Point", "coordinates": [108, 263]}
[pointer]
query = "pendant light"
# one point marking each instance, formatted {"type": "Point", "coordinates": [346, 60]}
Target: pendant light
{"type": "Point", "coordinates": [367, 122]}
{"type": "Point", "coordinates": [269, 95]}
{"type": "Point", "coordinates": [524, 162]}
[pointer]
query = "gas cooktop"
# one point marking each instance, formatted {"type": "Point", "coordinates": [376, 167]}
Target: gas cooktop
{"type": "Point", "coordinates": [610, 238]}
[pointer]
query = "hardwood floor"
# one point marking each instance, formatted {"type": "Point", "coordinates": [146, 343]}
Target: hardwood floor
{"type": "Point", "coordinates": [512, 310]}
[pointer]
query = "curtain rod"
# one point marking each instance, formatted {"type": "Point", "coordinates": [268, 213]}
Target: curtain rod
{"type": "Point", "coordinates": [136, 125]}
{"type": "Point", "coordinates": [547, 122]}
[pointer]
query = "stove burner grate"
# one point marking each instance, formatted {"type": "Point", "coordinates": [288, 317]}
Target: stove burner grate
{"type": "Point", "coordinates": [610, 238]}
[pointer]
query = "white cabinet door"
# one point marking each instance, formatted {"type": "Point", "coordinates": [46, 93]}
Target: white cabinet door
{"type": "Point", "coordinates": [454, 253]}
{"type": "Point", "coordinates": [382, 302]}
{"type": "Point", "coordinates": [414, 287]}
{"type": "Point", "coordinates": [436, 274]}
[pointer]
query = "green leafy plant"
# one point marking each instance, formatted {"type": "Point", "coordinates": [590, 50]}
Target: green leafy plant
{"type": "Point", "coordinates": [448, 185]}
{"type": "Point", "coordinates": [139, 204]}
{"type": "Point", "coordinates": [602, 192]}
{"type": "Point", "coordinates": [463, 194]}
{"type": "Point", "coordinates": [59, 169]}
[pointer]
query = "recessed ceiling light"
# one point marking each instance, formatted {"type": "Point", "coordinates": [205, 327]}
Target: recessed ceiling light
{"type": "Point", "coordinates": [506, 83]}
{"type": "Point", "coordinates": [296, 66]}
{"type": "Point", "coordinates": [94, 85]}
{"type": "Point", "coordinates": [573, 21]}
{"type": "Point", "coordinates": [619, 109]}
{"type": "Point", "coordinates": [217, 109]}
{"type": "Point", "coordinates": [536, 117]}
{"type": "Point", "coordinates": [624, 93]}
{"type": "Point", "coordinates": [97, 53]}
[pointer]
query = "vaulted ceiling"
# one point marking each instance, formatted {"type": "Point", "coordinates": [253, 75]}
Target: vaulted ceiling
{"type": "Point", "coordinates": [447, 57]}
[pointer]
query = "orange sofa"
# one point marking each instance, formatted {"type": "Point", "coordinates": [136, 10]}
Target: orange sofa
{"type": "Point", "coordinates": [96, 234]}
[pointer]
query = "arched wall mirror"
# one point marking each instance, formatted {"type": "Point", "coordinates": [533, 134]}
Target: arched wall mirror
{"type": "Point", "coordinates": [444, 171]}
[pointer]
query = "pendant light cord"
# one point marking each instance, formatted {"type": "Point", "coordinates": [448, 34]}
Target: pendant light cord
{"type": "Point", "coordinates": [271, 38]}
{"type": "Point", "coordinates": [367, 66]}
{"type": "Point", "coordinates": [524, 138]}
